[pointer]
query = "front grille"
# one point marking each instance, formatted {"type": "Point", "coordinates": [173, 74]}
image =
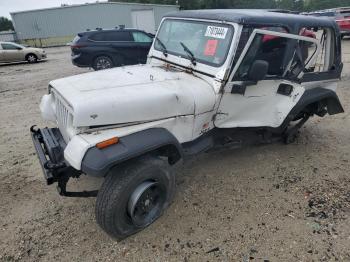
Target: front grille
{"type": "Point", "coordinates": [63, 117]}
{"type": "Point", "coordinates": [62, 114]}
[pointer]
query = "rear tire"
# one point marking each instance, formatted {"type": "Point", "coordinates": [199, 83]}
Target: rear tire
{"type": "Point", "coordinates": [31, 58]}
{"type": "Point", "coordinates": [102, 62]}
{"type": "Point", "coordinates": [291, 138]}
{"type": "Point", "coordinates": [134, 195]}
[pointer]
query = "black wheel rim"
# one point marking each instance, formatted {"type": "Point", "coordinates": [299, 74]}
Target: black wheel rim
{"type": "Point", "coordinates": [103, 63]}
{"type": "Point", "coordinates": [146, 203]}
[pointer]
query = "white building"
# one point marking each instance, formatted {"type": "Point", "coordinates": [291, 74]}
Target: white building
{"type": "Point", "coordinates": [57, 26]}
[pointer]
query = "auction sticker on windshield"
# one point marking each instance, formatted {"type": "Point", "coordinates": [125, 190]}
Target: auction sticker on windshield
{"type": "Point", "coordinates": [210, 47]}
{"type": "Point", "coordinates": [216, 32]}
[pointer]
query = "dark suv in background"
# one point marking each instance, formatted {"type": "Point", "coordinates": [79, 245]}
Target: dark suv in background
{"type": "Point", "coordinates": [101, 49]}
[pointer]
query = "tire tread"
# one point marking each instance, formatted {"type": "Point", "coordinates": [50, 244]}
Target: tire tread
{"type": "Point", "coordinates": [117, 179]}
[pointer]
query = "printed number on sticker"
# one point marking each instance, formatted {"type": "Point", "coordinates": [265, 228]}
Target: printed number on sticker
{"type": "Point", "coordinates": [216, 32]}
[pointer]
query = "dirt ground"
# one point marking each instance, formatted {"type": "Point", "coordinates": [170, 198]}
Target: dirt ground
{"type": "Point", "coordinates": [265, 203]}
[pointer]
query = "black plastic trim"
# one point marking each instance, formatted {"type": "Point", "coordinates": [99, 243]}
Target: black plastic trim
{"type": "Point", "coordinates": [97, 162]}
{"type": "Point", "coordinates": [49, 146]}
{"type": "Point", "coordinates": [254, 17]}
{"type": "Point", "coordinates": [285, 89]}
{"type": "Point", "coordinates": [321, 76]}
{"type": "Point", "coordinates": [320, 94]}
{"type": "Point", "coordinates": [309, 97]}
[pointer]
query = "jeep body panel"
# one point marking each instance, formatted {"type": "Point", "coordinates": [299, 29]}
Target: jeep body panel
{"type": "Point", "coordinates": [273, 107]}
{"type": "Point", "coordinates": [261, 103]}
{"type": "Point", "coordinates": [139, 93]}
{"type": "Point", "coordinates": [180, 127]}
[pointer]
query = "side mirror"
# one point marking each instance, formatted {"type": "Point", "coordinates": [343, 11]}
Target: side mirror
{"type": "Point", "coordinates": [258, 70]}
{"type": "Point", "coordinates": [19, 48]}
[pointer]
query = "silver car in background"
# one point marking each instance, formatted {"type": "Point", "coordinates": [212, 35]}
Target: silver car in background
{"type": "Point", "coordinates": [12, 52]}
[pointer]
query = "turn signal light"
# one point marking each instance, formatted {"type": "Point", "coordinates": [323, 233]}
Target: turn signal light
{"type": "Point", "coordinates": [107, 143]}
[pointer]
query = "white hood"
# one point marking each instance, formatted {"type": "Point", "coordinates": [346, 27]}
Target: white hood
{"type": "Point", "coordinates": [133, 94]}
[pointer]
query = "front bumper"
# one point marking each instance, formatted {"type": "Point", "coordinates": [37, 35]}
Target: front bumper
{"type": "Point", "coordinates": [49, 145]}
{"type": "Point", "coordinates": [79, 61]}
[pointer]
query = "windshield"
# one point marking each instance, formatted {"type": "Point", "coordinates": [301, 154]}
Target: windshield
{"type": "Point", "coordinates": [203, 42]}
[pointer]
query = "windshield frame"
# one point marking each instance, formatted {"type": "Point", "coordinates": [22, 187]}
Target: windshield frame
{"type": "Point", "coordinates": [19, 45]}
{"type": "Point", "coordinates": [201, 21]}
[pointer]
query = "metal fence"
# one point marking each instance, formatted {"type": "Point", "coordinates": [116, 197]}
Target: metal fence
{"type": "Point", "coordinates": [8, 36]}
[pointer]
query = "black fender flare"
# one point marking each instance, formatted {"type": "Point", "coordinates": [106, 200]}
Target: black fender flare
{"type": "Point", "coordinates": [97, 162]}
{"type": "Point", "coordinates": [314, 95]}
{"type": "Point", "coordinates": [311, 96]}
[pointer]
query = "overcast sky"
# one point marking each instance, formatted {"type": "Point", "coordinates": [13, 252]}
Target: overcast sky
{"type": "Point", "coordinates": [7, 6]}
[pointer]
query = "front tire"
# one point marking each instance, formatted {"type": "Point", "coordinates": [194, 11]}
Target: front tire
{"type": "Point", "coordinates": [31, 58]}
{"type": "Point", "coordinates": [102, 62]}
{"type": "Point", "coordinates": [134, 195]}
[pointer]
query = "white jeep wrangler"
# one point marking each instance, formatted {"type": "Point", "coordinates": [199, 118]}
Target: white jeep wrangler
{"type": "Point", "coordinates": [214, 78]}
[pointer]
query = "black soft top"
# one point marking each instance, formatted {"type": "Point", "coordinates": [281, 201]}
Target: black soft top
{"type": "Point", "coordinates": [257, 17]}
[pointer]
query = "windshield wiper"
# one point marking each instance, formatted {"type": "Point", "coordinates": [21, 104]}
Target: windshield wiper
{"type": "Point", "coordinates": [165, 51]}
{"type": "Point", "coordinates": [190, 54]}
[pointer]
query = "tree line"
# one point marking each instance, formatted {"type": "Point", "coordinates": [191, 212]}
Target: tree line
{"type": "Point", "coordinates": [5, 24]}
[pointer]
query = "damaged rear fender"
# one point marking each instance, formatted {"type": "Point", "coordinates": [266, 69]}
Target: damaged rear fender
{"type": "Point", "coordinates": [314, 100]}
